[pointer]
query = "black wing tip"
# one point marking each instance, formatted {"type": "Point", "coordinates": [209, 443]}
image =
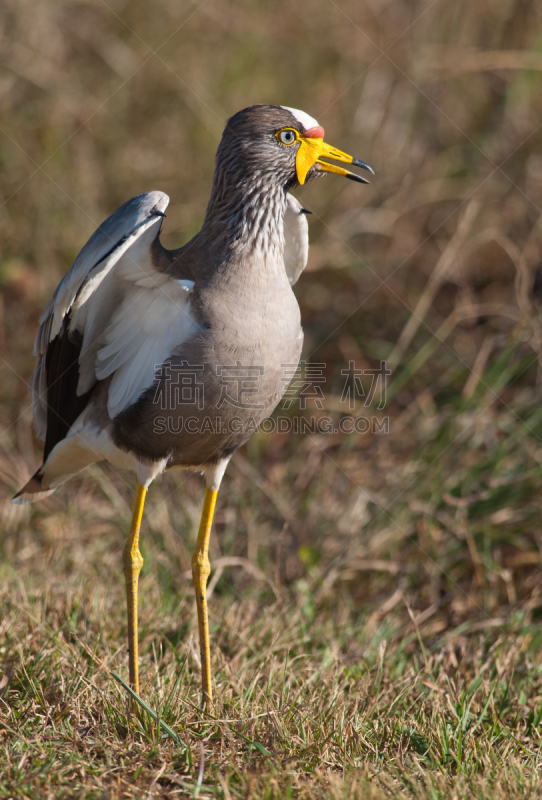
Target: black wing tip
{"type": "Point", "coordinates": [31, 488]}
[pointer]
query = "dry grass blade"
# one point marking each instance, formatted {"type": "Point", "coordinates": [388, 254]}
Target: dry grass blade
{"type": "Point", "coordinates": [438, 276]}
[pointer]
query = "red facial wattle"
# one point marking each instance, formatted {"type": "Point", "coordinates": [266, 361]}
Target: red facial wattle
{"type": "Point", "coordinates": [315, 133]}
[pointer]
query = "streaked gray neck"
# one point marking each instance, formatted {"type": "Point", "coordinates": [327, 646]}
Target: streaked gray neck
{"type": "Point", "coordinates": [247, 216]}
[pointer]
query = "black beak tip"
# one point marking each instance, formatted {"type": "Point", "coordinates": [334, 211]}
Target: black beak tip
{"type": "Point", "coordinates": [356, 178]}
{"type": "Point", "coordinates": [359, 163]}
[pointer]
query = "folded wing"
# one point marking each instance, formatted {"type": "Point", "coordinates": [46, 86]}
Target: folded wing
{"type": "Point", "coordinates": [296, 239]}
{"type": "Point", "coordinates": [114, 316]}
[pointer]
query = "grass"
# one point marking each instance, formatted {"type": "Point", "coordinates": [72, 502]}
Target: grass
{"type": "Point", "coordinates": [314, 705]}
{"type": "Point", "coordinates": [402, 660]}
{"type": "Point", "coordinates": [376, 597]}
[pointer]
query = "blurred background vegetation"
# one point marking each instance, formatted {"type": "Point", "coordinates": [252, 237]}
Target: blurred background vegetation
{"type": "Point", "coordinates": [436, 268]}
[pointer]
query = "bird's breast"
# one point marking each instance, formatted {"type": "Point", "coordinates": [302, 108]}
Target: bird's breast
{"type": "Point", "coordinates": [218, 386]}
{"type": "Point", "coordinates": [255, 319]}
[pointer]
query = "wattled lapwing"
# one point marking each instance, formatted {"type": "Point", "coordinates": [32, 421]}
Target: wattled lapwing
{"type": "Point", "coordinates": [151, 358]}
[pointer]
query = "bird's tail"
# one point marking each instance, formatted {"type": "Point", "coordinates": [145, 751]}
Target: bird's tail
{"type": "Point", "coordinates": [33, 490]}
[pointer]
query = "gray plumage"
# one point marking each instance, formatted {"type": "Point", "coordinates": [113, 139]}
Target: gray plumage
{"type": "Point", "coordinates": [152, 358]}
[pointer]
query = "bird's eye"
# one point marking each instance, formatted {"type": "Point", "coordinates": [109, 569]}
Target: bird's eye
{"type": "Point", "coordinates": [287, 136]}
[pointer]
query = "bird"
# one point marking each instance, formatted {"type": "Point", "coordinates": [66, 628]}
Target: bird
{"type": "Point", "coordinates": [152, 359]}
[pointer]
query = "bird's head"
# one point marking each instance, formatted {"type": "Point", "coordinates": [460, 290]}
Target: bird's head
{"type": "Point", "coordinates": [280, 144]}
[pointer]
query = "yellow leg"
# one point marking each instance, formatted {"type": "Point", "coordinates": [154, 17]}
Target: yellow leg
{"type": "Point", "coordinates": [133, 561]}
{"type": "Point", "coordinates": [201, 569]}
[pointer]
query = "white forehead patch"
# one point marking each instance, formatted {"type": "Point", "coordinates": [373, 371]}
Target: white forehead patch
{"type": "Point", "coordinates": [306, 120]}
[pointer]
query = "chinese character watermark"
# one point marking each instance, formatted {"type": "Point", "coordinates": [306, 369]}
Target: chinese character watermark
{"type": "Point", "coordinates": [238, 385]}
{"type": "Point", "coordinates": [178, 385]}
{"type": "Point", "coordinates": [181, 385]}
{"type": "Point", "coordinates": [305, 383]}
{"type": "Point", "coordinates": [353, 385]}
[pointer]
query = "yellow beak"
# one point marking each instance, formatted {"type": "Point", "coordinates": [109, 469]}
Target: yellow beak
{"type": "Point", "coordinates": [311, 151]}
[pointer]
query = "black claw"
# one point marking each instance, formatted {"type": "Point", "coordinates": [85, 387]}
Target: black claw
{"type": "Point", "coordinates": [358, 163]}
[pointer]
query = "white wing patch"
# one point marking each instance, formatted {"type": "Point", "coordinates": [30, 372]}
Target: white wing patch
{"type": "Point", "coordinates": [296, 239]}
{"type": "Point", "coordinates": [306, 120]}
{"type": "Point", "coordinates": [103, 250]}
{"type": "Point", "coordinates": [141, 335]}
{"type": "Point", "coordinates": [131, 324]}
{"type": "Point", "coordinates": [130, 315]}
{"type": "Point", "coordinates": [92, 317]}
{"type": "Point", "coordinates": [91, 290]}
